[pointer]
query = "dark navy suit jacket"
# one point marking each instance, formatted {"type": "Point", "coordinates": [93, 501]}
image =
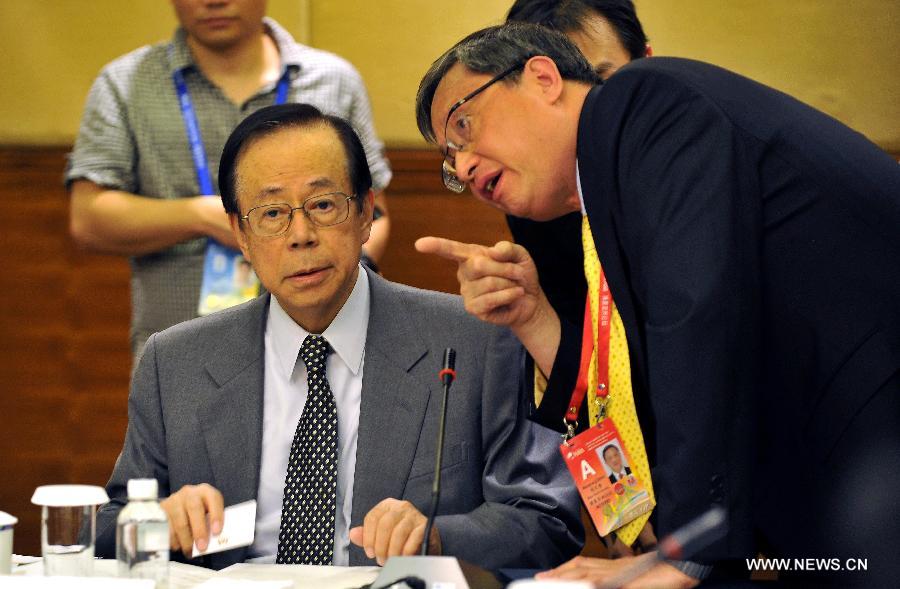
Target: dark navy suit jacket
{"type": "Point", "coordinates": [752, 246]}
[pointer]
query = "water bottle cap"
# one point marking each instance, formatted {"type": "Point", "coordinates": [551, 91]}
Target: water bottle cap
{"type": "Point", "coordinates": [142, 489]}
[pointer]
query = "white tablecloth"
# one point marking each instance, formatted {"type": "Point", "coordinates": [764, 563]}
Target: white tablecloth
{"type": "Point", "coordinates": [185, 576]}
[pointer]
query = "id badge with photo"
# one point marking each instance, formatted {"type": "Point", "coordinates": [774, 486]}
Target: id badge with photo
{"type": "Point", "coordinates": [228, 279]}
{"type": "Point", "coordinates": [601, 467]}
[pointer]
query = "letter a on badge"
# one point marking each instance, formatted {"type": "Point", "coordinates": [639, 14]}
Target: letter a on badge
{"type": "Point", "coordinates": [586, 470]}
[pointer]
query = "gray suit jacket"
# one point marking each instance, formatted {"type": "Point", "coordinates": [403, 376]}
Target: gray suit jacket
{"type": "Point", "coordinates": [195, 415]}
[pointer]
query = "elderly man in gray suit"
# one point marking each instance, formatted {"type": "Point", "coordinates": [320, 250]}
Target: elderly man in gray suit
{"type": "Point", "coordinates": [321, 399]}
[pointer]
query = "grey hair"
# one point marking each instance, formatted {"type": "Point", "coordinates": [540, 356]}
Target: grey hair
{"type": "Point", "coordinates": [498, 48]}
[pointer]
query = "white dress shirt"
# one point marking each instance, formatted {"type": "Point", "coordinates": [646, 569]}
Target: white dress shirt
{"type": "Point", "coordinates": [578, 186]}
{"type": "Point", "coordinates": [285, 392]}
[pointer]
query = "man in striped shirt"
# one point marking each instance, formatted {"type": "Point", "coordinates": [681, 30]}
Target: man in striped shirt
{"type": "Point", "coordinates": [134, 183]}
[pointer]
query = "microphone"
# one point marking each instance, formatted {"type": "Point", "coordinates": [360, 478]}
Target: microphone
{"type": "Point", "coordinates": [436, 571]}
{"type": "Point", "coordinates": [448, 372]}
{"type": "Point", "coordinates": [694, 535]}
{"type": "Point", "coordinates": [447, 375]}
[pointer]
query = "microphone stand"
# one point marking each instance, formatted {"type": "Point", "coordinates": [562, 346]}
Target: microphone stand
{"type": "Point", "coordinates": [447, 375]}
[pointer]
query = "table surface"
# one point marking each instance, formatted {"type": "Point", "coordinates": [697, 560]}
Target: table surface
{"type": "Point", "coordinates": [186, 576]}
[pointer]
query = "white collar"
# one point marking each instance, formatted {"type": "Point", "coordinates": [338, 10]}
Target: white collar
{"type": "Point", "coordinates": [346, 335]}
{"type": "Point", "coordinates": [578, 184]}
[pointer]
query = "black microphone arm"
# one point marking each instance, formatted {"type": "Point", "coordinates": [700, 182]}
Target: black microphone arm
{"type": "Point", "coordinates": [447, 376]}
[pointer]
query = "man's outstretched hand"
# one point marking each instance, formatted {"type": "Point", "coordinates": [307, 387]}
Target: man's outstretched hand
{"type": "Point", "coordinates": [499, 285]}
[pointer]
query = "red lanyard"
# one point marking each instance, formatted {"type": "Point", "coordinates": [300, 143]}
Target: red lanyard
{"type": "Point", "coordinates": [587, 350]}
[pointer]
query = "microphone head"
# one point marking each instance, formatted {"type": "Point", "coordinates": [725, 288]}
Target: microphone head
{"type": "Point", "coordinates": [685, 542]}
{"type": "Point", "coordinates": [449, 359]}
{"type": "Point", "coordinates": [448, 372]}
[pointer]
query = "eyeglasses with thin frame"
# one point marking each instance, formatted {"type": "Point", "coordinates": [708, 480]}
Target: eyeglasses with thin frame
{"type": "Point", "coordinates": [322, 210]}
{"type": "Point", "coordinates": [463, 131]}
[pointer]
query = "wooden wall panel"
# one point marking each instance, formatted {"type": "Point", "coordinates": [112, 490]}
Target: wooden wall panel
{"type": "Point", "coordinates": [64, 355]}
{"type": "Point", "coordinates": [51, 297]}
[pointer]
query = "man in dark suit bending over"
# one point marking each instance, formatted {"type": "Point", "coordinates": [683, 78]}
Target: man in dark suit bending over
{"type": "Point", "coordinates": [750, 244]}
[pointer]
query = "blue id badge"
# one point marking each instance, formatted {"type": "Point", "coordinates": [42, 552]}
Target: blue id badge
{"type": "Point", "coordinates": [228, 279]}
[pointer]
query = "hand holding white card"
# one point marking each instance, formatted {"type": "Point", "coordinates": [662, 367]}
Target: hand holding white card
{"type": "Point", "coordinates": [237, 530]}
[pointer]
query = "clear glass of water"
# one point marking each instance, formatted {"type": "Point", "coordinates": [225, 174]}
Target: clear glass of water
{"type": "Point", "coordinates": [68, 527]}
{"type": "Point", "coordinates": [67, 540]}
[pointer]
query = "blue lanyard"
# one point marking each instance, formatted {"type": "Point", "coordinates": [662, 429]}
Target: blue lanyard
{"type": "Point", "coordinates": [192, 126]}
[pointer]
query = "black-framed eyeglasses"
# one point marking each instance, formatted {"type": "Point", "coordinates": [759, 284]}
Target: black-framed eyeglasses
{"type": "Point", "coordinates": [448, 166]}
{"type": "Point", "coordinates": [322, 210]}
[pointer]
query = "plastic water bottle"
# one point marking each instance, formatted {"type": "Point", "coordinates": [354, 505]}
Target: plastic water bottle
{"type": "Point", "coordinates": [142, 535]}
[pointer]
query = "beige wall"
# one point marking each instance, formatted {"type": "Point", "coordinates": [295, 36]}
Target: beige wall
{"type": "Point", "coordinates": [51, 51]}
{"type": "Point", "coordinates": [842, 57]}
{"type": "Point", "coordinates": [392, 43]}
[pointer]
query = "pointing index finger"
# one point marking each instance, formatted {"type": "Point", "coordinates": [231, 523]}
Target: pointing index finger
{"type": "Point", "coordinates": [447, 248]}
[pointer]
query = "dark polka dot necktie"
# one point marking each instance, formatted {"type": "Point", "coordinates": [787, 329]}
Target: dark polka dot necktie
{"type": "Point", "coordinates": [307, 512]}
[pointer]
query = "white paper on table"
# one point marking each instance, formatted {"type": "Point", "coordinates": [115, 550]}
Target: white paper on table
{"type": "Point", "coordinates": [181, 576]}
{"type": "Point", "coordinates": [238, 529]}
{"type": "Point", "coordinates": [305, 576]}
{"type": "Point", "coordinates": [34, 582]}
{"type": "Point", "coordinates": [244, 584]}
{"type": "Point", "coordinates": [187, 576]}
